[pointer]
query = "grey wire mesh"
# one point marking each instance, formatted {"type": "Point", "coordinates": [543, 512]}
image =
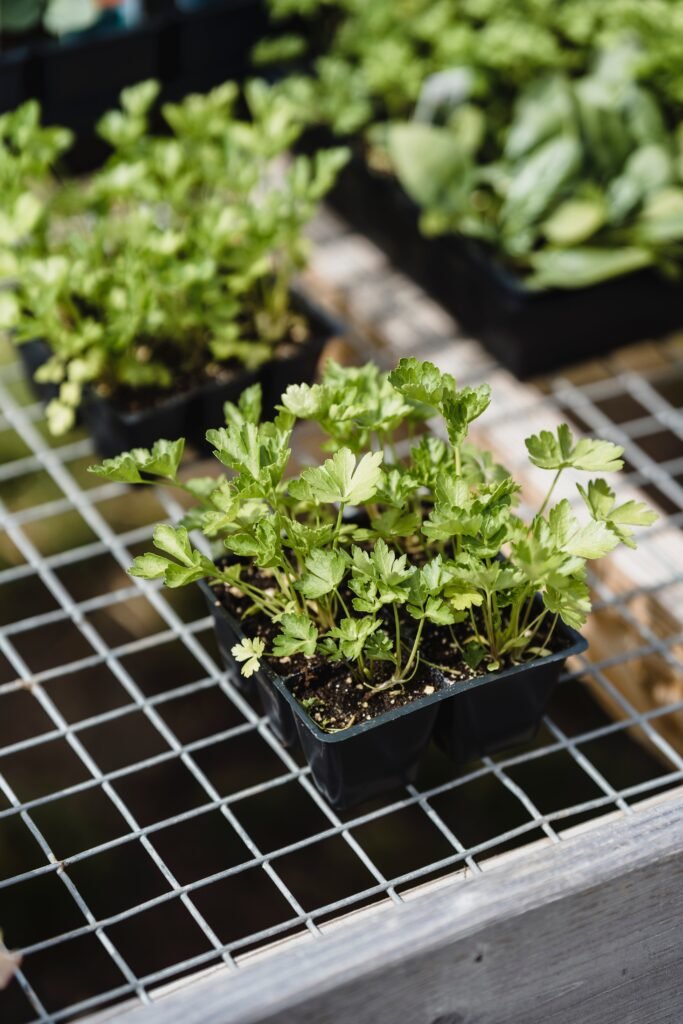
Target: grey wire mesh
{"type": "Point", "coordinates": [68, 553]}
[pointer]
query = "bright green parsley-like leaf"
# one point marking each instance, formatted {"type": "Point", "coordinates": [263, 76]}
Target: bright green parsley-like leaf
{"type": "Point", "coordinates": [164, 458]}
{"type": "Point", "coordinates": [249, 653]}
{"type": "Point", "coordinates": [462, 407]}
{"type": "Point", "coordinates": [298, 636]}
{"type": "Point", "coordinates": [421, 382]}
{"type": "Point", "coordinates": [324, 572]}
{"type": "Point", "coordinates": [558, 451]}
{"type": "Point", "coordinates": [568, 597]}
{"type": "Point", "coordinates": [339, 479]}
{"type": "Point", "coordinates": [592, 540]}
{"type": "Point", "coordinates": [303, 400]}
{"type": "Point", "coordinates": [190, 565]}
{"type": "Point", "coordinates": [121, 469]}
{"type": "Point", "coordinates": [161, 460]}
{"type": "Point", "coordinates": [175, 541]}
{"type": "Point", "coordinates": [600, 500]}
{"type": "Point", "coordinates": [247, 409]}
{"type": "Point", "coordinates": [352, 635]}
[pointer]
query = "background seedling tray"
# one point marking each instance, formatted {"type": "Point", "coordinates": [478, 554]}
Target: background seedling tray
{"type": "Point", "coordinates": [529, 332]}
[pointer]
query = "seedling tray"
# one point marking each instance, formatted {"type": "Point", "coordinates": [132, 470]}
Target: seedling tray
{"type": "Point", "coordinates": [468, 720]}
{"type": "Point", "coordinates": [133, 771]}
{"type": "Point", "coordinates": [191, 413]}
{"type": "Point", "coordinates": [529, 332]}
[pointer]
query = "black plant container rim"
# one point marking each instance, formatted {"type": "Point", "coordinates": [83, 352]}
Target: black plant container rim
{"type": "Point", "coordinates": [575, 644]}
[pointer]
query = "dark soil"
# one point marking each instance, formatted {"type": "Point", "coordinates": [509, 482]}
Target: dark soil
{"type": "Point", "coordinates": [438, 648]}
{"type": "Point", "coordinates": [333, 697]}
{"type": "Point", "coordinates": [190, 378]}
{"type": "Point", "coordinates": [341, 701]}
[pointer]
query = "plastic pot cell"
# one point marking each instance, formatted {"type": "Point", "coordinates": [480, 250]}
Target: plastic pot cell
{"type": "Point", "coordinates": [32, 355]}
{"type": "Point", "coordinates": [212, 42]}
{"type": "Point", "coordinates": [228, 633]}
{"type": "Point", "coordinates": [15, 72]}
{"type": "Point", "coordinates": [500, 709]}
{"type": "Point", "coordinates": [81, 78]}
{"type": "Point", "coordinates": [468, 720]}
{"type": "Point", "coordinates": [367, 759]}
{"type": "Point", "coordinates": [528, 331]}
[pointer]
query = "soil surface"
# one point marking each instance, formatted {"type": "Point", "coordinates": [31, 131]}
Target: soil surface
{"type": "Point", "coordinates": [341, 701]}
{"type": "Point", "coordinates": [132, 399]}
{"type": "Point", "coordinates": [333, 697]}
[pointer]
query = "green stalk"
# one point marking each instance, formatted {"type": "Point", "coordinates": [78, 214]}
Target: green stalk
{"type": "Point", "coordinates": [552, 488]}
{"type": "Point", "coordinates": [413, 652]}
{"type": "Point", "coordinates": [337, 525]}
{"type": "Point", "coordinates": [397, 625]}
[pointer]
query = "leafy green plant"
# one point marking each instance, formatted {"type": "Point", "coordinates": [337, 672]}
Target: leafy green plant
{"type": "Point", "coordinates": [584, 185]}
{"type": "Point", "coordinates": [548, 131]}
{"type": "Point", "coordinates": [175, 260]}
{"type": "Point", "coordinates": [371, 60]}
{"type": "Point", "coordinates": [434, 547]}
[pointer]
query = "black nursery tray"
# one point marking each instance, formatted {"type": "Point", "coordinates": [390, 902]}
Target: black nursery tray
{"type": "Point", "coordinates": [190, 414]}
{"type": "Point", "coordinates": [529, 332]}
{"type": "Point", "coordinates": [468, 720]}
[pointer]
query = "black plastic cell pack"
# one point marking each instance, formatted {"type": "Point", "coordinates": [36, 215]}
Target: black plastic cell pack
{"type": "Point", "coordinates": [467, 720]}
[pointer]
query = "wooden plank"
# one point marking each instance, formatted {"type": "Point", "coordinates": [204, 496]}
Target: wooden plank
{"type": "Point", "coordinates": [588, 930]}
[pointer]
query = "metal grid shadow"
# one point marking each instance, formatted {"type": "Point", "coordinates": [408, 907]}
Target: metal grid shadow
{"type": "Point", "coordinates": [150, 823]}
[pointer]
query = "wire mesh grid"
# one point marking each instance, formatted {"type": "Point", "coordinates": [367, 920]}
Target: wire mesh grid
{"type": "Point", "coordinates": [150, 823]}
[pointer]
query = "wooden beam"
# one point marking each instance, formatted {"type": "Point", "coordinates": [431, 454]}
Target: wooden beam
{"type": "Point", "coordinates": [589, 930]}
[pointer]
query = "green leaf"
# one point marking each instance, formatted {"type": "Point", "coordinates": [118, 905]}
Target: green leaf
{"type": "Point", "coordinates": [249, 652]}
{"type": "Point", "coordinates": [391, 524]}
{"type": "Point", "coordinates": [592, 540]}
{"type": "Point", "coordinates": [568, 597]}
{"type": "Point", "coordinates": [324, 572]}
{"type": "Point", "coordinates": [149, 566]}
{"type": "Point", "coordinates": [582, 266]}
{"type": "Point", "coordinates": [426, 159]}
{"type": "Point", "coordinates": [421, 381]}
{"type": "Point", "coordinates": [237, 446]}
{"type": "Point", "coordinates": [121, 469]}
{"type": "Point", "coordinates": [558, 451]}
{"type": "Point", "coordinates": [303, 400]}
{"type": "Point", "coordinates": [60, 417]}
{"type": "Point", "coordinates": [352, 635]}
{"type": "Point", "coordinates": [340, 480]}
{"type": "Point", "coordinates": [9, 310]}
{"type": "Point", "coordinates": [462, 595]}
{"type": "Point", "coordinates": [164, 458]}
{"type": "Point", "coordinates": [174, 541]}
{"type": "Point", "coordinates": [248, 408]}
{"type": "Point", "coordinates": [298, 636]}
{"type": "Point", "coordinates": [137, 99]}
{"type": "Point", "coordinates": [574, 220]}
{"type": "Point", "coordinates": [601, 500]}
{"type": "Point", "coordinates": [461, 408]}
{"type": "Point", "coordinates": [537, 180]}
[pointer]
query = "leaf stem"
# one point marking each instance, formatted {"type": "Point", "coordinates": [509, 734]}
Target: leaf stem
{"type": "Point", "coordinates": [552, 488]}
